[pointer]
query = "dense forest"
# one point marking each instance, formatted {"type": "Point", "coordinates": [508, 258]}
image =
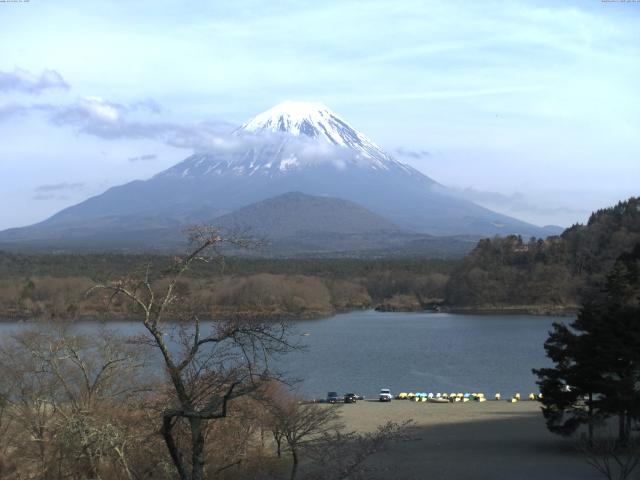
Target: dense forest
{"type": "Point", "coordinates": [54, 285]}
{"type": "Point", "coordinates": [551, 273]}
{"type": "Point", "coordinates": [500, 274]}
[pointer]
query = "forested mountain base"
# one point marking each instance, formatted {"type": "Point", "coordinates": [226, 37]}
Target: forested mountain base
{"type": "Point", "coordinates": [500, 275]}
{"type": "Point", "coordinates": [553, 273]}
{"type": "Point", "coordinates": [51, 286]}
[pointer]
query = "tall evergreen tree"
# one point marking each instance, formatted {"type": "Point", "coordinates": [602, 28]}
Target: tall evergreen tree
{"type": "Point", "coordinates": [596, 371]}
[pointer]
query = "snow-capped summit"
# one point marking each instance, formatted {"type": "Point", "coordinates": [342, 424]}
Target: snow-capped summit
{"type": "Point", "coordinates": [293, 147]}
{"type": "Point", "coordinates": [296, 118]}
{"type": "Point", "coordinates": [315, 120]}
{"type": "Point", "coordinates": [293, 137]}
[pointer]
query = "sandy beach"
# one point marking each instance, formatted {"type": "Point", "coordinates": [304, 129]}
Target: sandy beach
{"type": "Point", "coordinates": [489, 440]}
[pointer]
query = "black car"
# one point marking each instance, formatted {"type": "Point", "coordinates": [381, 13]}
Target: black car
{"type": "Point", "coordinates": [332, 397]}
{"type": "Point", "coordinates": [350, 398]}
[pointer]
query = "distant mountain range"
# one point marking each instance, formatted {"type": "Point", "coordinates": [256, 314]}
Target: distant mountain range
{"type": "Point", "coordinates": [349, 192]}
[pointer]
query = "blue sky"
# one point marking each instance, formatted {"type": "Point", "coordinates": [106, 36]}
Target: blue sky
{"type": "Point", "coordinates": [530, 108]}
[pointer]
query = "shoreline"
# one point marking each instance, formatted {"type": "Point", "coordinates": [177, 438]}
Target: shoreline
{"type": "Point", "coordinates": [542, 310]}
{"type": "Point", "coordinates": [531, 310]}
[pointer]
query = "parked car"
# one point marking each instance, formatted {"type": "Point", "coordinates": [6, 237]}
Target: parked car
{"type": "Point", "coordinates": [350, 398]}
{"type": "Point", "coordinates": [385, 395]}
{"type": "Point", "coordinates": [332, 397]}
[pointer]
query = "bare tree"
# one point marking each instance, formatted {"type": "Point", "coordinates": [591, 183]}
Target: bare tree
{"type": "Point", "coordinates": [62, 392]}
{"type": "Point", "coordinates": [299, 424]}
{"type": "Point", "coordinates": [613, 460]}
{"type": "Point", "coordinates": [205, 370]}
{"type": "Point", "coordinates": [338, 455]}
{"type": "Point", "coordinates": [29, 393]}
{"type": "Point", "coordinates": [6, 424]}
{"type": "Point", "coordinates": [314, 432]}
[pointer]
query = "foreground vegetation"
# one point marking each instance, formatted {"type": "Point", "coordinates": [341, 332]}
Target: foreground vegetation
{"type": "Point", "coordinates": [596, 372]}
{"type": "Point", "coordinates": [178, 401]}
{"type": "Point", "coordinates": [597, 358]}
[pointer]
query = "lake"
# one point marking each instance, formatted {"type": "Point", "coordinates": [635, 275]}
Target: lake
{"type": "Point", "coordinates": [364, 351]}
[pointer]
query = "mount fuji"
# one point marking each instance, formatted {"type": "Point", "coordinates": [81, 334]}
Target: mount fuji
{"type": "Point", "coordinates": [292, 147]}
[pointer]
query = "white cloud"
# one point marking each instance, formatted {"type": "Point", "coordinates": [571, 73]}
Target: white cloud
{"type": "Point", "coordinates": [26, 82]}
{"type": "Point", "coordinates": [99, 109]}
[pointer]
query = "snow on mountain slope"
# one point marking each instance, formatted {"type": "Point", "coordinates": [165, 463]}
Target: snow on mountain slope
{"type": "Point", "coordinates": [293, 147]}
{"type": "Point", "coordinates": [319, 122]}
{"type": "Point", "coordinates": [290, 137]}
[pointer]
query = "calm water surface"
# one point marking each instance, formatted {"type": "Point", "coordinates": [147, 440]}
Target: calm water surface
{"type": "Point", "coordinates": [432, 352]}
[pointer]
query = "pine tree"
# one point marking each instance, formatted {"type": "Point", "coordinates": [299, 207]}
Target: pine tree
{"type": "Point", "coordinates": [597, 358]}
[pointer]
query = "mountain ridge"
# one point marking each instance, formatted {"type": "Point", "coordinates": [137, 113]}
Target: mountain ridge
{"type": "Point", "coordinates": [321, 155]}
{"type": "Point", "coordinates": [295, 212]}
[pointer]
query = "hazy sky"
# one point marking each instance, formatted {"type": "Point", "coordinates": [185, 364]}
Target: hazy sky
{"type": "Point", "coordinates": [530, 108]}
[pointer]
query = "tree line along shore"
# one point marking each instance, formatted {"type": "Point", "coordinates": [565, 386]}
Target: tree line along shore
{"type": "Point", "coordinates": [502, 274]}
